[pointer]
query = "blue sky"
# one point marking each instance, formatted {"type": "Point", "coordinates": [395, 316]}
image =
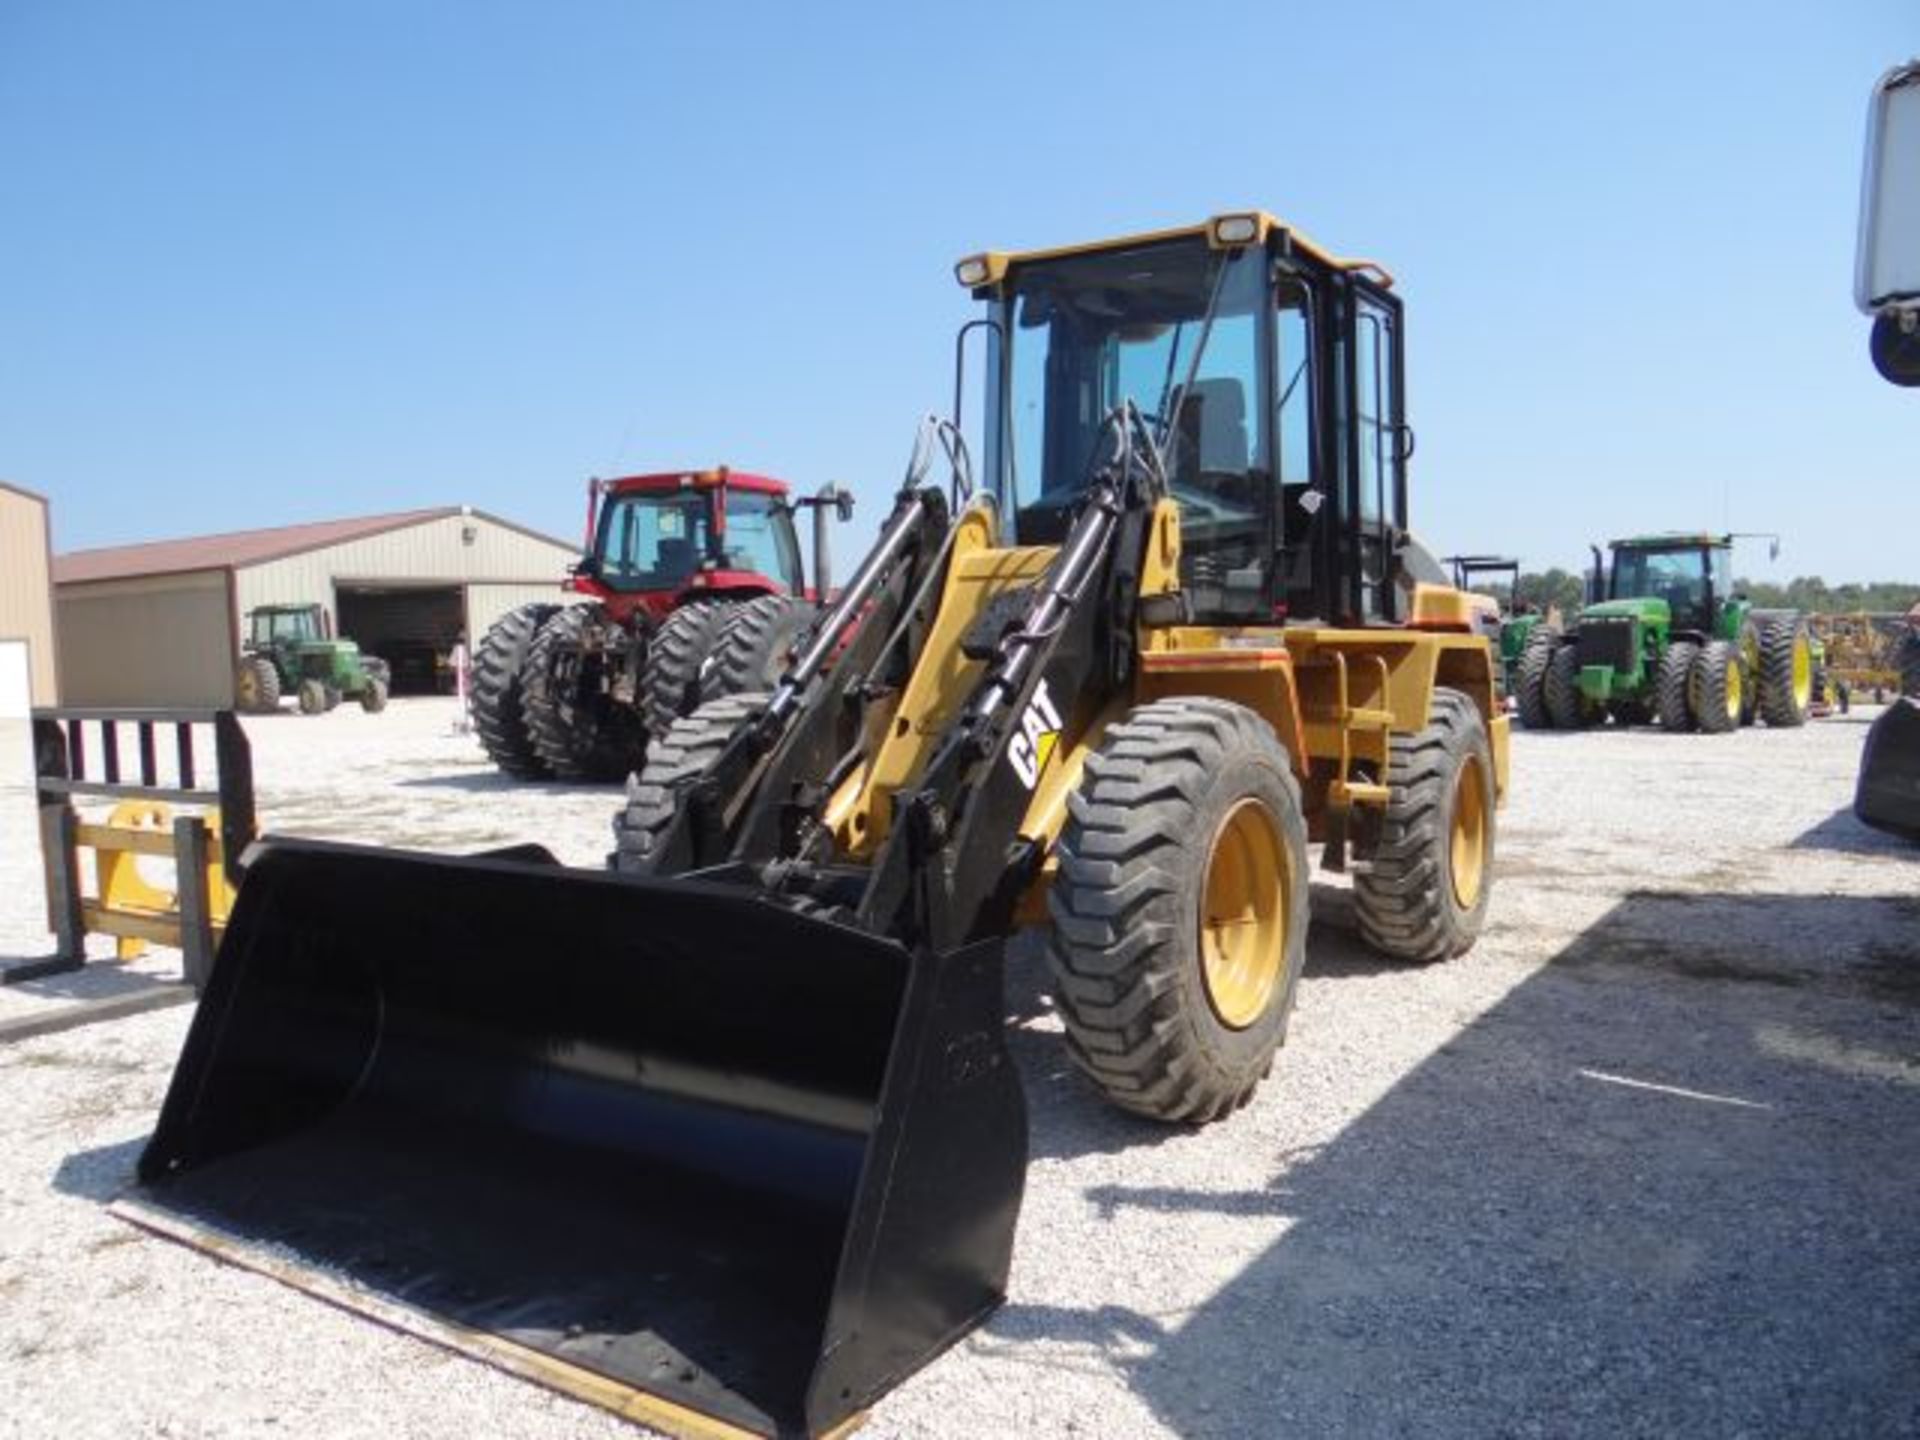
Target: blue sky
{"type": "Point", "coordinates": [267, 263]}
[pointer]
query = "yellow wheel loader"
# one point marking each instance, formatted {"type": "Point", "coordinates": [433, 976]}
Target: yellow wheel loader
{"type": "Point", "coordinates": [729, 1134]}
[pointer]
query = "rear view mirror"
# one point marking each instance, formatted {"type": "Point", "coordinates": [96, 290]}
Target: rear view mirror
{"type": "Point", "coordinates": [843, 505]}
{"type": "Point", "coordinates": [1886, 281]}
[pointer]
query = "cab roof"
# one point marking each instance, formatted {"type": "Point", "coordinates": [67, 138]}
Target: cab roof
{"type": "Point", "coordinates": [1673, 540]}
{"type": "Point", "coordinates": [694, 480]}
{"type": "Point", "coordinates": [1262, 224]}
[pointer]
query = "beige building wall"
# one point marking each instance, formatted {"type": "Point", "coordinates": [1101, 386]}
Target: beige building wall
{"type": "Point", "coordinates": [487, 603]}
{"type": "Point", "coordinates": [26, 589]}
{"type": "Point", "coordinates": [152, 640]}
{"type": "Point", "coordinates": [455, 550]}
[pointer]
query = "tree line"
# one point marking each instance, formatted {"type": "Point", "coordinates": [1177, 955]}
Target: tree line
{"type": "Point", "coordinates": [1807, 593]}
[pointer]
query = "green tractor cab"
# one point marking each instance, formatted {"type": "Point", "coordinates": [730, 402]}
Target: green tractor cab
{"type": "Point", "coordinates": [1665, 638]}
{"type": "Point", "coordinates": [291, 648]}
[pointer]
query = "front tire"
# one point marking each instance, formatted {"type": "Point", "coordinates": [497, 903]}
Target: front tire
{"type": "Point", "coordinates": [1718, 692]}
{"type": "Point", "coordinates": [313, 698]}
{"type": "Point", "coordinates": [1674, 688]}
{"type": "Point", "coordinates": [1530, 688]}
{"type": "Point", "coordinates": [373, 697]}
{"type": "Point", "coordinates": [1786, 673]}
{"type": "Point", "coordinates": [1180, 909]}
{"type": "Point", "coordinates": [677, 757]}
{"type": "Point", "coordinates": [1565, 705]}
{"type": "Point", "coordinates": [1424, 893]}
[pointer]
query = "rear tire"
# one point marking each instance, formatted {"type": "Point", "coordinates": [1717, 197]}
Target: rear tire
{"type": "Point", "coordinates": [1530, 687]}
{"type": "Point", "coordinates": [1565, 706]}
{"type": "Point", "coordinates": [1675, 685]}
{"type": "Point", "coordinates": [573, 725]}
{"type": "Point", "coordinates": [313, 698]}
{"type": "Point", "coordinates": [256, 688]}
{"type": "Point", "coordinates": [677, 654]}
{"type": "Point", "coordinates": [495, 702]}
{"type": "Point", "coordinates": [750, 652]}
{"type": "Point", "coordinates": [1717, 691]}
{"type": "Point", "coordinates": [1424, 894]}
{"type": "Point", "coordinates": [1786, 673]}
{"type": "Point", "coordinates": [678, 756]}
{"type": "Point", "coordinates": [373, 698]}
{"type": "Point", "coordinates": [1175, 957]}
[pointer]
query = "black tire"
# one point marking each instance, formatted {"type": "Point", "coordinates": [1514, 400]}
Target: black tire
{"type": "Point", "coordinates": [1752, 665]}
{"type": "Point", "coordinates": [575, 728]}
{"type": "Point", "coordinates": [1530, 688]}
{"type": "Point", "coordinates": [677, 653]}
{"type": "Point", "coordinates": [754, 642]}
{"type": "Point", "coordinates": [1908, 663]}
{"type": "Point", "coordinates": [495, 701]}
{"type": "Point", "coordinates": [1130, 901]}
{"type": "Point", "coordinates": [1716, 710]}
{"type": "Point", "coordinates": [1673, 686]}
{"type": "Point", "coordinates": [312, 695]}
{"type": "Point", "coordinates": [1781, 645]}
{"type": "Point", "coordinates": [373, 697]}
{"type": "Point", "coordinates": [256, 688]}
{"type": "Point", "coordinates": [1561, 691]}
{"type": "Point", "coordinates": [1413, 901]}
{"type": "Point", "coordinates": [678, 756]}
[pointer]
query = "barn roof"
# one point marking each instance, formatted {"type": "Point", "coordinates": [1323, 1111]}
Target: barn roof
{"type": "Point", "coordinates": [240, 548]}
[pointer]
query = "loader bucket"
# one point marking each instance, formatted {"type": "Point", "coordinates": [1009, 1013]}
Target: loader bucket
{"type": "Point", "coordinates": [1888, 797]}
{"type": "Point", "coordinates": [661, 1143]}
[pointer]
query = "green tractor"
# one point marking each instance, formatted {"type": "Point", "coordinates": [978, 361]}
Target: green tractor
{"type": "Point", "coordinates": [292, 648]}
{"type": "Point", "coordinates": [1664, 638]}
{"type": "Point", "coordinates": [1507, 621]}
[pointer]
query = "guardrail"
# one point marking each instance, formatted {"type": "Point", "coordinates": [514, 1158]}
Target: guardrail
{"type": "Point", "coordinates": [164, 757]}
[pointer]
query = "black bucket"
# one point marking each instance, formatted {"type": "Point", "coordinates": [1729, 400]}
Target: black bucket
{"type": "Point", "coordinates": [1888, 796]}
{"type": "Point", "coordinates": [755, 1163]}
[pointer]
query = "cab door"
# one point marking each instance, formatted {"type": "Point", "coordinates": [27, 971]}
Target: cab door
{"type": "Point", "coordinates": [1378, 444]}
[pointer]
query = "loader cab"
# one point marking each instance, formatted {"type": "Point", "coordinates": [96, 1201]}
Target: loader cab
{"type": "Point", "coordinates": [1271, 374]}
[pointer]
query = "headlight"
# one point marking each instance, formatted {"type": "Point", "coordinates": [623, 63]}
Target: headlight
{"type": "Point", "coordinates": [1235, 229]}
{"type": "Point", "coordinates": [974, 271]}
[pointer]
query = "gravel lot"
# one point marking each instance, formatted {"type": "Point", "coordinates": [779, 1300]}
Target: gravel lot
{"type": "Point", "coordinates": [1642, 1163]}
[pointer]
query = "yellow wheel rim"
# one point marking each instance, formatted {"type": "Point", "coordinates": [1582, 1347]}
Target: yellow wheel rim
{"type": "Point", "coordinates": [1802, 672]}
{"type": "Point", "coordinates": [1733, 692]}
{"type": "Point", "coordinates": [1467, 846]}
{"type": "Point", "coordinates": [247, 689]}
{"type": "Point", "coordinates": [1243, 914]}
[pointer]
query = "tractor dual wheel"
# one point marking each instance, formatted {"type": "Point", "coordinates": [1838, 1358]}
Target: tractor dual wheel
{"type": "Point", "coordinates": [678, 756]}
{"type": "Point", "coordinates": [1717, 694]}
{"type": "Point", "coordinates": [1423, 893]}
{"type": "Point", "coordinates": [1530, 685]}
{"type": "Point", "coordinates": [495, 701]}
{"type": "Point", "coordinates": [753, 644]}
{"type": "Point", "coordinates": [678, 654]}
{"type": "Point", "coordinates": [1673, 687]}
{"type": "Point", "coordinates": [1180, 909]}
{"type": "Point", "coordinates": [1565, 705]}
{"type": "Point", "coordinates": [576, 728]}
{"type": "Point", "coordinates": [256, 686]}
{"type": "Point", "coordinates": [1786, 673]}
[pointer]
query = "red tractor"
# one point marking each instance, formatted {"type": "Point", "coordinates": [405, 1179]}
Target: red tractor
{"type": "Point", "coordinates": [694, 590]}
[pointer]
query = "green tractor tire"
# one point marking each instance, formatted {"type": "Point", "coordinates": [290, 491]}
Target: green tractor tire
{"type": "Point", "coordinates": [1565, 705]}
{"type": "Point", "coordinates": [1530, 682]}
{"type": "Point", "coordinates": [1674, 687]}
{"type": "Point", "coordinates": [1786, 673]}
{"type": "Point", "coordinates": [1719, 691]}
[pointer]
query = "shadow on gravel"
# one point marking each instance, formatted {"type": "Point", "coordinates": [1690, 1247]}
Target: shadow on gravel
{"type": "Point", "coordinates": [1665, 1187]}
{"type": "Point", "coordinates": [101, 1175]}
{"type": "Point", "coordinates": [1842, 831]}
{"type": "Point", "coordinates": [492, 782]}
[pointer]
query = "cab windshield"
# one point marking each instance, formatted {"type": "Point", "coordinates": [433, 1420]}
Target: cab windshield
{"type": "Point", "coordinates": [1679, 577]}
{"type": "Point", "coordinates": [656, 540]}
{"type": "Point", "coordinates": [1087, 332]}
